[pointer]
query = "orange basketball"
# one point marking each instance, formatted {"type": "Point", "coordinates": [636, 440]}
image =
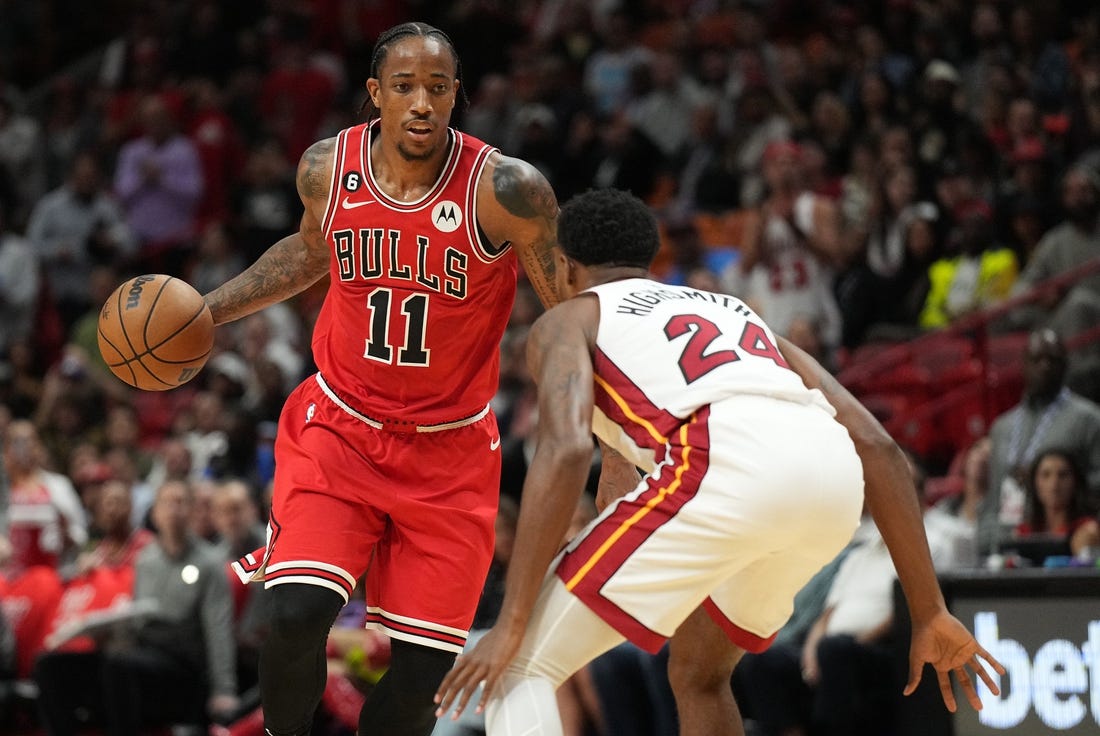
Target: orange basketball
{"type": "Point", "coordinates": [155, 332]}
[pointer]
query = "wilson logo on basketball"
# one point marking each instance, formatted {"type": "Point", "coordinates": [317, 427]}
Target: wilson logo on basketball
{"type": "Point", "coordinates": [187, 374]}
{"type": "Point", "coordinates": [133, 297]}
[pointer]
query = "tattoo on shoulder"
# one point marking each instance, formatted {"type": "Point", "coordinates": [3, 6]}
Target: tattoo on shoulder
{"type": "Point", "coordinates": [523, 191]}
{"type": "Point", "coordinates": [314, 169]}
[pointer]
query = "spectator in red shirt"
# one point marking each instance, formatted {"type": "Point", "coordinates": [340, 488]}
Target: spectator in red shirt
{"type": "Point", "coordinates": [105, 570]}
{"type": "Point", "coordinates": [295, 98]}
{"type": "Point", "coordinates": [218, 143]}
{"type": "Point", "coordinates": [1056, 502]}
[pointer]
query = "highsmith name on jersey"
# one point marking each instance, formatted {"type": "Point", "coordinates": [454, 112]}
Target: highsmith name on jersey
{"type": "Point", "coordinates": [689, 348]}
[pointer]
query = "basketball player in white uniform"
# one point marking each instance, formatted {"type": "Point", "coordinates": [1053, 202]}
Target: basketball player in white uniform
{"type": "Point", "coordinates": [754, 483]}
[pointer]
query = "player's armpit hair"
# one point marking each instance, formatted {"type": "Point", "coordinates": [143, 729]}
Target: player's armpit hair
{"type": "Point", "coordinates": [522, 190]}
{"type": "Point", "coordinates": [314, 169]}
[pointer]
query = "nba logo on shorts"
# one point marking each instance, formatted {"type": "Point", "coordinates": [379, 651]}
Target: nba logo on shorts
{"type": "Point", "coordinates": [446, 216]}
{"type": "Point", "coordinates": [310, 412]}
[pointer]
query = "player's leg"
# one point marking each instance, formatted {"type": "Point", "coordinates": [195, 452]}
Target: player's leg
{"type": "Point", "coordinates": [292, 657]}
{"type": "Point", "coordinates": [701, 662]}
{"type": "Point", "coordinates": [429, 567]}
{"type": "Point", "coordinates": [401, 703]}
{"type": "Point", "coordinates": [769, 521]}
{"type": "Point", "coordinates": [562, 636]}
{"type": "Point", "coordinates": [324, 523]}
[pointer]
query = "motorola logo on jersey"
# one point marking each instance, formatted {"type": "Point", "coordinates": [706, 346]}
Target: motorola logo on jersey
{"type": "Point", "coordinates": [352, 181]}
{"type": "Point", "coordinates": [447, 216]}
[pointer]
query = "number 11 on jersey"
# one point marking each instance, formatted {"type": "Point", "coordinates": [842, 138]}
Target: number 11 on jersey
{"type": "Point", "coordinates": [415, 309]}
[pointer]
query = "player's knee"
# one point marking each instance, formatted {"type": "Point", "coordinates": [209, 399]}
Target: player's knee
{"type": "Point", "coordinates": [699, 675]}
{"type": "Point", "coordinates": [303, 613]}
{"type": "Point", "coordinates": [418, 669]}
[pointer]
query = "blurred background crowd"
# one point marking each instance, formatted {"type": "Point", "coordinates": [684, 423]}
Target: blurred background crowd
{"type": "Point", "coordinates": [908, 189]}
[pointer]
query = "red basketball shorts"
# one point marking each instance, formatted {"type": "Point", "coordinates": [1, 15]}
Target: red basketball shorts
{"type": "Point", "coordinates": [413, 510]}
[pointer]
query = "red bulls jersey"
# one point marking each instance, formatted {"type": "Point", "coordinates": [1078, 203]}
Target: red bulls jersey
{"type": "Point", "coordinates": [411, 325]}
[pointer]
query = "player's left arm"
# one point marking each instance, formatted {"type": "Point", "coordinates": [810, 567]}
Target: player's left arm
{"type": "Point", "coordinates": [517, 207]}
{"type": "Point", "coordinates": [560, 361]}
{"type": "Point", "coordinates": [938, 638]}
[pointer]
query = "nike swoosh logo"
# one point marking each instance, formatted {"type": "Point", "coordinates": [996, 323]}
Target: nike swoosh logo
{"type": "Point", "coordinates": [494, 444]}
{"type": "Point", "coordinates": [352, 205]}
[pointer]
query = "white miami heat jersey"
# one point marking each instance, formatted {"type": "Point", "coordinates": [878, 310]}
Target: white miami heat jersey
{"type": "Point", "coordinates": [663, 352]}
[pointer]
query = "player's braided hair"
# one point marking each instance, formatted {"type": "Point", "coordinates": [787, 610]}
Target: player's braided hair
{"type": "Point", "coordinates": [608, 227]}
{"type": "Point", "coordinates": [389, 37]}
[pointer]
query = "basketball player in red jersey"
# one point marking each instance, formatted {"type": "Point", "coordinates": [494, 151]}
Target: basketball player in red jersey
{"type": "Point", "coordinates": [759, 463]}
{"type": "Point", "coordinates": [389, 456]}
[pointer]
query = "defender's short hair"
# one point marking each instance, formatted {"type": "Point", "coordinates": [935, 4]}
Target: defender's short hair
{"type": "Point", "coordinates": [608, 227]}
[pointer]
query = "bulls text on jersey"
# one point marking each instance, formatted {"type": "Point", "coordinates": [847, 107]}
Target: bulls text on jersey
{"type": "Point", "coordinates": [375, 253]}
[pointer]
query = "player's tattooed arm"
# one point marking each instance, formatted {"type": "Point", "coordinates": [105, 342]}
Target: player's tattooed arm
{"type": "Point", "coordinates": [315, 172]}
{"type": "Point", "coordinates": [559, 360]}
{"type": "Point", "coordinates": [524, 193]}
{"type": "Point", "coordinates": [295, 262]}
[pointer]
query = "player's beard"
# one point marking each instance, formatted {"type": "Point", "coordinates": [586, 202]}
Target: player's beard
{"type": "Point", "coordinates": [411, 156]}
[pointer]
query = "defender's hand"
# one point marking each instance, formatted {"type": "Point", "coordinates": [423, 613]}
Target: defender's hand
{"type": "Point", "coordinates": [945, 643]}
{"type": "Point", "coordinates": [483, 666]}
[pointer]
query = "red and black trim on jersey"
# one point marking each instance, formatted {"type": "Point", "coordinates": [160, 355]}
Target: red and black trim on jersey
{"type": "Point", "coordinates": [355, 142]}
{"type": "Point", "coordinates": [254, 567]}
{"type": "Point", "coordinates": [310, 572]}
{"type": "Point", "coordinates": [247, 566]}
{"type": "Point", "coordinates": [454, 149]}
{"type": "Point", "coordinates": [339, 154]}
{"type": "Point", "coordinates": [250, 568]}
{"type": "Point", "coordinates": [483, 248]}
{"type": "Point", "coordinates": [586, 567]}
{"type": "Point", "coordinates": [416, 631]}
{"type": "Point", "coordinates": [626, 404]}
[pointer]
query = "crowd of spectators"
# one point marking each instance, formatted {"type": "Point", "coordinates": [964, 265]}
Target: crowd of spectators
{"type": "Point", "coordinates": [857, 171]}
